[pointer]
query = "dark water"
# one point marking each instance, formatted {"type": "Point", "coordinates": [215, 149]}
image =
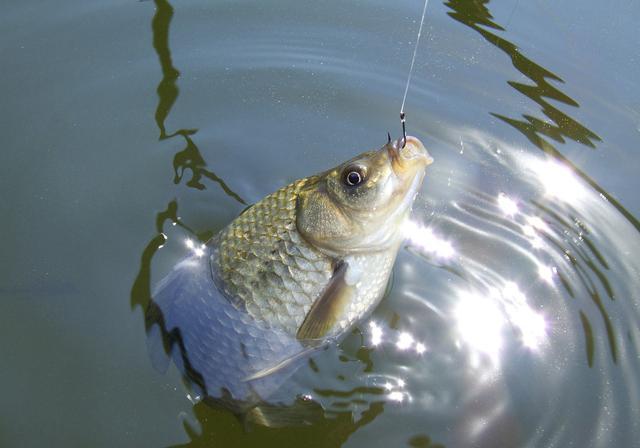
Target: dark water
{"type": "Point", "coordinates": [513, 321]}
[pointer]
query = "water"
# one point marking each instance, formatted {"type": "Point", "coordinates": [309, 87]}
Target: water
{"type": "Point", "coordinates": [513, 321]}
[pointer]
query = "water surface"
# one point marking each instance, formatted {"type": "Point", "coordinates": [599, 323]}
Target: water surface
{"type": "Point", "coordinates": [130, 126]}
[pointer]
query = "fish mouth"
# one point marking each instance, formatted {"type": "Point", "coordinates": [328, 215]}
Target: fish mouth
{"type": "Point", "coordinates": [408, 155]}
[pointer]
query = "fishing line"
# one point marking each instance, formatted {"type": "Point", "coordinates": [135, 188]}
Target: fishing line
{"type": "Point", "coordinates": [413, 61]}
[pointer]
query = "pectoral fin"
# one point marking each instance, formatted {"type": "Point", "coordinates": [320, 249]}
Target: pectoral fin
{"type": "Point", "coordinates": [284, 364]}
{"type": "Point", "coordinates": [327, 308]}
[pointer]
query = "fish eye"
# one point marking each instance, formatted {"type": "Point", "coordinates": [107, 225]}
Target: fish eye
{"type": "Point", "coordinates": [353, 176]}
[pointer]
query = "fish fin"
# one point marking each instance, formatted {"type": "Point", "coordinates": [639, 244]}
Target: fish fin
{"type": "Point", "coordinates": [300, 413]}
{"type": "Point", "coordinates": [284, 364]}
{"type": "Point", "coordinates": [328, 306]}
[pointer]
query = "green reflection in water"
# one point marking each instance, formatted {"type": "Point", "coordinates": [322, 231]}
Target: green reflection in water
{"type": "Point", "coordinates": [476, 15]}
{"type": "Point", "coordinates": [220, 428]}
{"type": "Point", "coordinates": [558, 126]}
{"type": "Point", "coordinates": [167, 89]}
{"type": "Point", "coordinates": [219, 425]}
{"type": "Point", "coordinates": [423, 441]}
{"type": "Point", "coordinates": [187, 159]}
{"type": "Point", "coordinates": [190, 157]}
{"type": "Point", "coordinates": [141, 291]}
{"type": "Point", "coordinates": [586, 325]}
{"type": "Point", "coordinates": [571, 246]}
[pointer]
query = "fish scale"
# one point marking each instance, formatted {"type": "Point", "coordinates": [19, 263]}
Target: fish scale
{"type": "Point", "coordinates": [292, 273]}
{"type": "Point", "coordinates": [220, 341]}
{"type": "Point", "coordinates": [266, 266]}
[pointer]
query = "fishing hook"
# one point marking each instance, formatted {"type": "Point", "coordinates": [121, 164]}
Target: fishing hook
{"type": "Point", "coordinates": [404, 129]}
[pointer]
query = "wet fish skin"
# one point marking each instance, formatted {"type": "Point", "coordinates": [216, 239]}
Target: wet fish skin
{"type": "Point", "coordinates": [265, 267]}
{"type": "Point", "coordinates": [214, 344]}
{"type": "Point", "coordinates": [276, 259]}
{"type": "Point", "coordinates": [291, 273]}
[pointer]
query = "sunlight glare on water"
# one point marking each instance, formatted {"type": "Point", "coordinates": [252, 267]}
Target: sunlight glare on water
{"type": "Point", "coordinates": [559, 181]}
{"type": "Point", "coordinates": [508, 206]}
{"type": "Point", "coordinates": [480, 323]}
{"type": "Point", "coordinates": [198, 250]}
{"type": "Point", "coordinates": [424, 239]}
{"type": "Point", "coordinates": [511, 318]}
{"type": "Point", "coordinates": [482, 319]}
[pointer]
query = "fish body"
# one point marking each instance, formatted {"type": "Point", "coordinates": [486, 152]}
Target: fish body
{"type": "Point", "coordinates": [294, 271]}
{"type": "Point", "coordinates": [216, 345]}
{"type": "Point", "coordinates": [264, 265]}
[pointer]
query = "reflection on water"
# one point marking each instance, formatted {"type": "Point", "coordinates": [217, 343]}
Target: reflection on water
{"type": "Point", "coordinates": [475, 14]}
{"type": "Point", "coordinates": [530, 324]}
{"type": "Point", "coordinates": [490, 301]}
{"type": "Point", "coordinates": [425, 240]}
{"type": "Point", "coordinates": [218, 428]}
{"type": "Point", "coordinates": [508, 206]}
{"type": "Point", "coordinates": [167, 89]}
{"type": "Point", "coordinates": [560, 179]}
{"type": "Point", "coordinates": [189, 158]}
{"type": "Point", "coordinates": [557, 247]}
{"type": "Point", "coordinates": [341, 421]}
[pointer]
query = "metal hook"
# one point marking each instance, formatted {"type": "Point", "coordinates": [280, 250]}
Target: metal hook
{"type": "Point", "coordinates": [404, 129]}
{"type": "Point", "coordinates": [388, 138]}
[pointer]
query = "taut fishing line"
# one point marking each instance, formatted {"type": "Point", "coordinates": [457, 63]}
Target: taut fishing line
{"type": "Point", "coordinates": [413, 61]}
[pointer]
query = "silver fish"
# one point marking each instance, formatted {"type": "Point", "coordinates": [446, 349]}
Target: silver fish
{"type": "Point", "coordinates": [293, 272]}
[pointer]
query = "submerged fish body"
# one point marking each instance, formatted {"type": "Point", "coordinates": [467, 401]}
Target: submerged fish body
{"type": "Point", "coordinates": [214, 343]}
{"type": "Point", "coordinates": [292, 272]}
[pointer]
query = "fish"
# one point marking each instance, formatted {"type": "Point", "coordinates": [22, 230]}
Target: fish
{"type": "Point", "coordinates": [292, 274]}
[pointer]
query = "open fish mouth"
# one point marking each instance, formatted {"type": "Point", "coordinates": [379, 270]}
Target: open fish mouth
{"type": "Point", "coordinates": [408, 153]}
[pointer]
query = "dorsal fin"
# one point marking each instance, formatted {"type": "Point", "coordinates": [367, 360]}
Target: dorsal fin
{"type": "Point", "coordinates": [328, 306]}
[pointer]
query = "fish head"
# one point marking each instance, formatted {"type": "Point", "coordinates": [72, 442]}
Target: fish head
{"type": "Point", "coordinates": [361, 204]}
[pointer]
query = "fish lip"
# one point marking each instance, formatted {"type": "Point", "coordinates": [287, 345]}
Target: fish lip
{"type": "Point", "coordinates": [402, 159]}
{"type": "Point", "coordinates": [393, 148]}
